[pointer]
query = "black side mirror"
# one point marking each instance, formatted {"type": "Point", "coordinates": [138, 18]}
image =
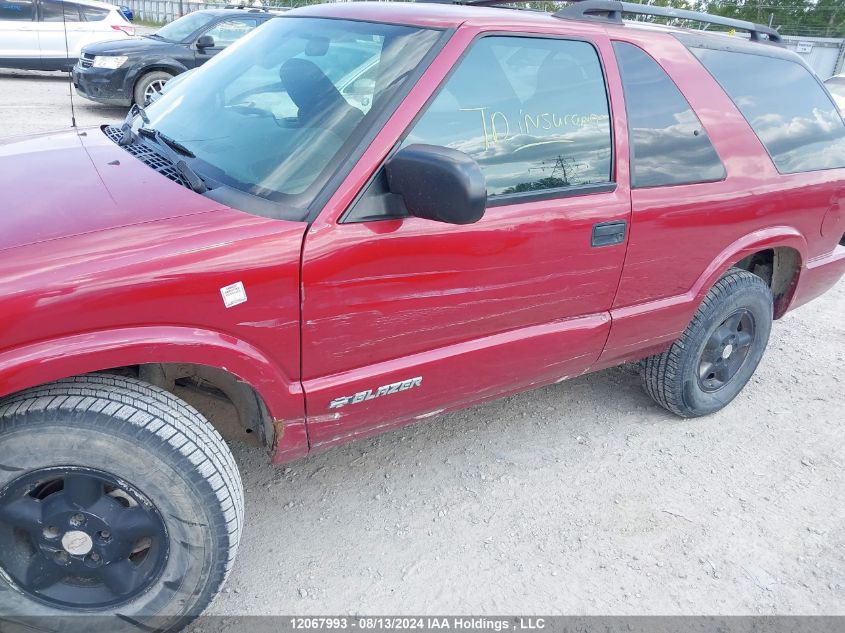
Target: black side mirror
{"type": "Point", "coordinates": [438, 183]}
{"type": "Point", "coordinates": [205, 41]}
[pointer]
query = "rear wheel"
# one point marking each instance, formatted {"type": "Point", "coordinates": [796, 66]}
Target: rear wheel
{"type": "Point", "coordinates": [718, 352]}
{"type": "Point", "coordinates": [149, 86]}
{"type": "Point", "coordinates": [116, 498]}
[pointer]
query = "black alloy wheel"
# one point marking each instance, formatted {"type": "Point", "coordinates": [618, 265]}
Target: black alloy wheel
{"type": "Point", "coordinates": [726, 350]}
{"type": "Point", "coordinates": [80, 538]}
{"type": "Point", "coordinates": [716, 355]}
{"type": "Point", "coordinates": [121, 508]}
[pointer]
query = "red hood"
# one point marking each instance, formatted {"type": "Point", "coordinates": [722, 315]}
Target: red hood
{"type": "Point", "coordinates": [75, 182]}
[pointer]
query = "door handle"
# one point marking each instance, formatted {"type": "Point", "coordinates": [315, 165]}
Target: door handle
{"type": "Point", "coordinates": [609, 233]}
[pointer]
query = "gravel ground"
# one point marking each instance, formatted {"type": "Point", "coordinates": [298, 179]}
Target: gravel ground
{"type": "Point", "coordinates": [34, 102]}
{"type": "Point", "coordinates": [580, 498]}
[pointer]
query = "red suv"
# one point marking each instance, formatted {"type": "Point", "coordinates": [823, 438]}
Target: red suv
{"type": "Point", "coordinates": [366, 214]}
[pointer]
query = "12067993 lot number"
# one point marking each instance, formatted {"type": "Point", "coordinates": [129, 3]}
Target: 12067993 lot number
{"type": "Point", "coordinates": [300, 624]}
{"type": "Point", "coordinates": [363, 623]}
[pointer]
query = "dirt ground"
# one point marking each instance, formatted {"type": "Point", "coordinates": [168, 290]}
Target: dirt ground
{"type": "Point", "coordinates": [579, 498]}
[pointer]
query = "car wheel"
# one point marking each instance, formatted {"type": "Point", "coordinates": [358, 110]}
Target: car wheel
{"type": "Point", "coordinates": [116, 499]}
{"type": "Point", "coordinates": [718, 352]}
{"type": "Point", "coordinates": [149, 86]}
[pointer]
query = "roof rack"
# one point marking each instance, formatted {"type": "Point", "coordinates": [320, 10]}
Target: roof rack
{"type": "Point", "coordinates": [613, 9]}
{"type": "Point", "coordinates": [246, 6]}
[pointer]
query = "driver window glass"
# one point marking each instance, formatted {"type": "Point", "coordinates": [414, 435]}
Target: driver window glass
{"type": "Point", "coordinates": [532, 112]}
{"type": "Point", "coordinates": [230, 31]}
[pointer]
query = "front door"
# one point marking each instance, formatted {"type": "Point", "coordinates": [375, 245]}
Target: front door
{"type": "Point", "coordinates": [404, 317]}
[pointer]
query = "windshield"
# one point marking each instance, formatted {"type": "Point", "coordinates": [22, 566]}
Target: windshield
{"type": "Point", "coordinates": [273, 113]}
{"type": "Point", "coordinates": [180, 29]}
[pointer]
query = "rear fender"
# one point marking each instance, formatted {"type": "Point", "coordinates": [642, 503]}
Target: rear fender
{"type": "Point", "coordinates": [648, 328]}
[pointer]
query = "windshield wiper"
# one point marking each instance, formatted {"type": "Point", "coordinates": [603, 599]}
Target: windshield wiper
{"type": "Point", "coordinates": [173, 143]}
{"type": "Point", "coordinates": [126, 128]}
{"type": "Point", "coordinates": [170, 148]}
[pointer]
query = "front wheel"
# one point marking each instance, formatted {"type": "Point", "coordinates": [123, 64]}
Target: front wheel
{"type": "Point", "coordinates": [148, 88]}
{"type": "Point", "coordinates": [718, 352]}
{"type": "Point", "coordinates": [116, 498]}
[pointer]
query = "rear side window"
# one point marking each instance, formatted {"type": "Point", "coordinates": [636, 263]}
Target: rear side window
{"type": "Point", "coordinates": [669, 146]}
{"type": "Point", "coordinates": [93, 14]}
{"type": "Point", "coordinates": [532, 112]}
{"type": "Point", "coordinates": [15, 10]}
{"type": "Point", "coordinates": [785, 105]}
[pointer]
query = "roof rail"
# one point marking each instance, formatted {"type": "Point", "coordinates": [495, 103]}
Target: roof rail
{"type": "Point", "coordinates": [475, 3]}
{"type": "Point", "coordinates": [613, 10]}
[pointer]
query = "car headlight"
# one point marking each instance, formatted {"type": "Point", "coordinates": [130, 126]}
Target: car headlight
{"type": "Point", "coordinates": [109, 61]}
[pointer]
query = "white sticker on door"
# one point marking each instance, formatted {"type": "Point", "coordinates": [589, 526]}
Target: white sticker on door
{"type": "Point", "coordinates": [233, 294]}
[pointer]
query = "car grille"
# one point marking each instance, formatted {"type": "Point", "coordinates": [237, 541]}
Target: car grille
{"type": "Point", "coordinates": [86, 60]}
{"type": "Point", "coordinates": [147, 155]}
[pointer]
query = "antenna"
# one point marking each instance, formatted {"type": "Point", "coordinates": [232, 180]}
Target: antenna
{"type": "Point", "coordinates": [70, 71]}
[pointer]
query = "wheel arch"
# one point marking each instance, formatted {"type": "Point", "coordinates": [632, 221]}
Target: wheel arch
{"type": "Point", "coordinates": [267, 400]}
{"type": "Point", "coordinates": [780, 268]}
{"type": "Point", "coordinates": [776, 254]}
{"type": "Point", "coordinates": [169, 66]}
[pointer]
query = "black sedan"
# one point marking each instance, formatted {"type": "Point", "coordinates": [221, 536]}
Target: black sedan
{"type": "Point", "coordinates": [133, 70]}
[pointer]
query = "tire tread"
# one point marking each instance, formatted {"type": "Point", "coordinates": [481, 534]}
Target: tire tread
{"type": "Point", "coordinates": [661, 373]}
{"type": "Point", "coordinates": [157, 419]}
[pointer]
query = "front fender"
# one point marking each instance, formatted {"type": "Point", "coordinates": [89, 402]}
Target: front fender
{"type": "Point", "coordinates": [45, 361]}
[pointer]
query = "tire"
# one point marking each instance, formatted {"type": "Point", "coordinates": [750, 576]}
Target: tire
{"type": "Point", "coordinates": [154, 78]}
{"type": "Point", "coordinates": [116, 445]}
{"type": "Point", "coordinates": [710, 363]}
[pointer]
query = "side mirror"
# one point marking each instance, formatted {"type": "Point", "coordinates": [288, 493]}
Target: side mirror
{"type": "Point", "coordinates": [438, 183]}
{"type": "Point", "coordinates": [205, 41]}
